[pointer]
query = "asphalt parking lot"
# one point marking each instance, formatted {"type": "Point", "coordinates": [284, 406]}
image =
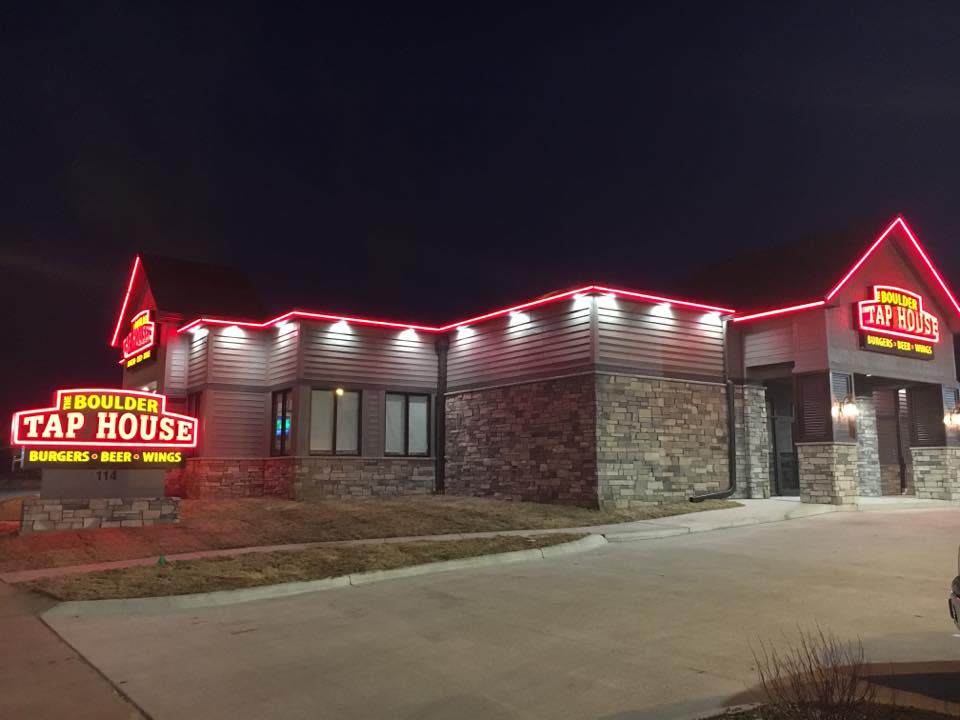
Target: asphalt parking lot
{"type": "Point", "coordinates": [651, 629]}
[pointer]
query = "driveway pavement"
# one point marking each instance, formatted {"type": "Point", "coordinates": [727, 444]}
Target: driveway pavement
{"type": "Point", "coordinates": [651, 629]}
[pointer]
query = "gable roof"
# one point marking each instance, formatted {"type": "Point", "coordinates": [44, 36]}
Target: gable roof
{"type": "Point", "coordinates": [797, 273]}
{"type": "Point", "coordinates": [189, 288]}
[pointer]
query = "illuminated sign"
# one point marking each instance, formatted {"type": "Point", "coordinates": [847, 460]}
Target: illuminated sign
{"type": "Point", "coordinates": [139, 342]}
{"type": "Point", "coordinates": [895, 322]}
{"type": "Point", "coordinates": [104, 427]}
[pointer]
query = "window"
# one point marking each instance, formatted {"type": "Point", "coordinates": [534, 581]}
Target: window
{"type": "Point", "coordinates": [335, 422]}
{"type": "Point", "coordinates": [280, 422]}
{"type": "Point", "coordinates": [407, 424]}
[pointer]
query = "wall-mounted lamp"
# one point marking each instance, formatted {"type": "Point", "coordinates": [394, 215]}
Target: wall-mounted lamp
{"type": "Point", "coordinates": [845, 409]}
{"type": "Point", "coordinates": [952, 418]}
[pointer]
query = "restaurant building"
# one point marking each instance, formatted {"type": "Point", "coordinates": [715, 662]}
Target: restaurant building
{"type": "Point", "coordinates": [837, 381]}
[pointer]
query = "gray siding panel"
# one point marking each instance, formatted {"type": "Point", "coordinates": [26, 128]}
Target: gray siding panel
{"type": "Point", "coordinates": [282, 352]}
{"type": "Point", "coordinates": [236, 424]}
{"type": "Point", "coordinates": [768, 342]}
{"type": "Point", "coordinates": [556, 340]}
{"type": "Point", "coordinates": [175, 377]}
{"type": "Point", "coordinates": [376, 356]}
{"type": "Point", "coordinates": [656, 340]}
{"type": "Point", "coordinates": [197, 358]}
{"type": "Point", "coordinates": [237, 356]}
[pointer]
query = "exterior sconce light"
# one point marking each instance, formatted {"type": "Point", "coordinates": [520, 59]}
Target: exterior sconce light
{"type": "Point", "coordinates": [845, 409]}
{"type": "Point", "coordinates": [952, 418]}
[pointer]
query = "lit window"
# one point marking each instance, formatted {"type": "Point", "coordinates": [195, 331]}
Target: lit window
{"type": "Point", "coordinates": [335, 421]}
{"type": "Point", "coordinates": [407, 424]}
{"type": "Point", "coordinates": [281, 421]}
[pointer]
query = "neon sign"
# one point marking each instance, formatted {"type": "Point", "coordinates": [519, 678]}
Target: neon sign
{"type": "Point", "coordinates": [139, 342]}
{"type": "Point", "coordinates": [895, 322]}
{"type": "Point", "coordinates": [104, 427]}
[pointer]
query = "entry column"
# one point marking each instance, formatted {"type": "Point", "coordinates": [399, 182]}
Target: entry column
{"type": "Point", "coordinates": [935, 441]}
{"type": "Point", "coordinates": [827, 450]}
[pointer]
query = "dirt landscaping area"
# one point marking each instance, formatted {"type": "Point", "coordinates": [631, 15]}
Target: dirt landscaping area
{"type": "Point", "coordinates": [253, 569]}
{"type": "Point", "coordinates": [219, 524]}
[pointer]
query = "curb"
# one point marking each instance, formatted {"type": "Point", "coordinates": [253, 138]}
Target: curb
{"type": "Point", "coordinates": [152, 605]}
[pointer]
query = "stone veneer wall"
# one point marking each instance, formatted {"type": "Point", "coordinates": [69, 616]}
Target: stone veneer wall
{"type": "Point", "coordinates": [233, 478]}
{"type": "Point", "coordinates": [753, 441]}
{"type": "Point", "coordinates": [868, 449]}
{"type": "Point", "coordinates": [332, 476]}
{"type": "Point", "coordinates": [533, 441]}
{"type": "Point", "coordinates": [659, 440]}
{"type": "Point", "coordinates": [46, 514]}
{"type": "Point", "coordinates": [828, 472]}
{"type": "Point", "coordinates": [936, 472]}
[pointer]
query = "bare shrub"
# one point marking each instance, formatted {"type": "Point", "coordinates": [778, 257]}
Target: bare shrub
{"type": "Point", "coordinates": [818, 677]}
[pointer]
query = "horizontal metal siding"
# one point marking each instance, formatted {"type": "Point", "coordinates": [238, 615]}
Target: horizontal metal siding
{"type": "Point", "coordinates": [553, 341]}
{"type": "Point", "coordinates": [366, 355]}
{"type": "Point", "coordinates": [197, 360]}
{"type": "Point", "coordinates": [282, 352]}
{"type": "Point", "coordinates": [767, 342]}
{"type": "Point", "coordinates": [236, 423]}
{"type": "Point", "coordinates": [237, 357]}
{"type": "Point", "coordinates": [660, 341]}
{"type": "Point", "coordinates": [175, 378]}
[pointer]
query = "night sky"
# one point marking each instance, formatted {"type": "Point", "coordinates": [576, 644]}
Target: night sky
{"type": "Point", "coordinates": [420, 164]}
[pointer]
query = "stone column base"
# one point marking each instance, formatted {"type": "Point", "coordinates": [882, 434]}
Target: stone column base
{"type": "Point", "coordinates": [828, 473]}
{"type": "Point", "coordinates": [936, 472]}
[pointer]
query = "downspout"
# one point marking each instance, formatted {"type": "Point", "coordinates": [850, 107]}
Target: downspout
{"type": "Point", "coordinates": [440, 412]}
{"type": "Point", "coordinates": [731, 428]}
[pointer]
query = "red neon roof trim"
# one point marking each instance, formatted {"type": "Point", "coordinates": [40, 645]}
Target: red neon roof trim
{"type": "Point", "coordinates": [930, 265]}
{"type": "Point", "coordinates": [780, 311]}
{"type": "Point", "coordinates": [856, 266]}
{"type": "Point", "coordinates": [658, 299]}
{"type": "Point", "coordinates": [126, 299]}
{"type": "Point", "coordinates": [863, 258]}
{"type": "Point", "coordinates": [305, 315]}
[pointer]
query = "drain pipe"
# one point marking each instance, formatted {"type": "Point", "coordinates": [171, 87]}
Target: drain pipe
{"type": "Point", "coordinates": [731, 430]}
{"type": "Point", "coordinates": [440, 413]}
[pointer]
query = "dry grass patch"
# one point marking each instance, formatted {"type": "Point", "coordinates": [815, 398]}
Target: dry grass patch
{"type": "Point", "coordinates": [271, 568]}
{"type": "Point", "coordinates": [218, 524]}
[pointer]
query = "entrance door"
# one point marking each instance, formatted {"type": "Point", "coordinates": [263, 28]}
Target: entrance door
{"type": "Point", "coordinates": [784, 470]}
{"type": "Point", "coordinates": [893, 441]}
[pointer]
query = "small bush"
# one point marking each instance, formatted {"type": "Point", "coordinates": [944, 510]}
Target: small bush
{"type": "Point", "coordinates": [819, 677]}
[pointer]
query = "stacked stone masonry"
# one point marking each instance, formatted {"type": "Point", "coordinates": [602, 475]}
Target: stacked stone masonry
{"type": "Point", "coordinates": [828, 473]}
{"type": "Point", "coordinates": [659, 440]}
{"type": "Point", "coordinates": [46, 514]}
{"type": "Point", "coordinates": [936, 472]}
{"type": "Point", "coordinates": [233, 478]}
{"type": "Point", "coordinates": [535, 441]}
{"type": "Point", "coordinates": [868, 449]}
{"type": "Point", "coordinates": [333, 477]}
{"type": "Point", "coordinates": [753, 442]}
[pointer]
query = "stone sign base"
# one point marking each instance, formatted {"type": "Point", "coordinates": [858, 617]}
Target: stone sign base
{"type": "Point", "coordinates": [46, 514]}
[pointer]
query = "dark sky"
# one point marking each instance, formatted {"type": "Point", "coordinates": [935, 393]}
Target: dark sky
{"type": "Point", "coordinates": [425, 163]}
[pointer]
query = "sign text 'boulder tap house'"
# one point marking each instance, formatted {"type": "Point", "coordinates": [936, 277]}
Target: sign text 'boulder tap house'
{"type": "Point", "coordinates": [895, 322]}
{"type": "Point", "coordinates": [104, 428]}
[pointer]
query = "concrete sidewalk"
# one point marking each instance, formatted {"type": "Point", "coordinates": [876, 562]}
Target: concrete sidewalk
{"type": "Point", "coordinates": [43, 677]}
{"type": "Point", "coordinates": [752, 512]}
